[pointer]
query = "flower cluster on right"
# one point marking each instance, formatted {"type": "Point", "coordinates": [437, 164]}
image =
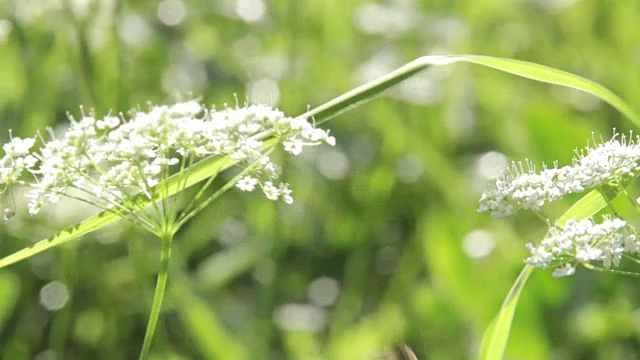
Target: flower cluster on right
{"type": "Point", "coordinates": [577, 241]}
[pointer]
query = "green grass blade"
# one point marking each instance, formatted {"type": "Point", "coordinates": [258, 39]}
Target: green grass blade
{"type": "Point", "coordinates": [553, 76]}
{"type": "Point", "coordinates": [495, 337]}
{"type": "Point", "coordinates": [586, 207]}
{"type": "Point", "coordinates": [524, 69]}
{"type": "Point", "coordinates": [85, 227]}
{"type": "Point", "coordinates": [330, 109]}
{"type": "Point", "coordinates": [622, 200]}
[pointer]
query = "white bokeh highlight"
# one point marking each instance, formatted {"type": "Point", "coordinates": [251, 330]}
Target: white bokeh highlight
{"type": "Point", "coordinates": [54, 296]}
{"type": "Point", "coordinates": [324, 291]}
{"type": "Point", "coordinates": [478, 244]}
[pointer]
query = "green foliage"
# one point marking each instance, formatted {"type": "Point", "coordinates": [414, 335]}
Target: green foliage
{"type": "Point", "coordinates": [388, 227]}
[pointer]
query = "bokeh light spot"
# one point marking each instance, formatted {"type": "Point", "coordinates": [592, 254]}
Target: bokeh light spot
{"type": "Point", "coordinates": [263, 91]}
{"type": "Point", "coordinates": [333, 164]}
{"type": "Point", "coordinates": [54, 296]}
{"type": "Point", "coordinates": [251, 10]}
{"type": "Point", "coordinates": [172, 12]}
{"type": "Point", "coordinates": [133, 30]}
{"type": "Point", "coordinates": [478, 244]}
{"type": "Point", "coordinates": [324, 291]}
{"type": "Point", "coordinates": [492, 164]}
{"type": "Point", "coordinates": [300, 317]}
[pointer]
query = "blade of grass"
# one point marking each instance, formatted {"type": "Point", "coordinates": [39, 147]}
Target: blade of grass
{"type": "Point", "coordinates": [496, 336]}
{"type": "Point", "coordinates": [328, 110]}
{"type": "Point", "coordinates": [587, 206]}
{"type": "Point", "coordinates": [520, 68]}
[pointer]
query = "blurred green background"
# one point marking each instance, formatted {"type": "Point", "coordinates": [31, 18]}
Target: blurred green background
{"type": "Point", "coordinates": [383, 245]}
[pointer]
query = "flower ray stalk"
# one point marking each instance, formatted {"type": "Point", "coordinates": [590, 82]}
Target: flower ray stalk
{"type": "Point", "coordinates": [631, 258]}
{"type": "Point", "coordinates": [167, 239]}
{"type": "Point", "coordinates": [135, 216]}
{"type": "Point", "coordinates": [187, 216]}
{"type": "Point", "coordinates": [192, 204]}
{"type": "Point", "coordinates": [611, 271]}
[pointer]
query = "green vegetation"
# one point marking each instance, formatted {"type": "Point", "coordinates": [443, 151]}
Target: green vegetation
{"type": "Point", "coordinates": [383, 245]}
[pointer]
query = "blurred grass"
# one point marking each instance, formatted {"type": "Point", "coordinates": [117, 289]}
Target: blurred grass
{"type": "Point", "coordinates": [384, 215]}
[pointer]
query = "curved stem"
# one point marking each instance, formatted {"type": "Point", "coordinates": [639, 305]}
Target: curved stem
{"type": "Point", "coordinates": [161, 283]}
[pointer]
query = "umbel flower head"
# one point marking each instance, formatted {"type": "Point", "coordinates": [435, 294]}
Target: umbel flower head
{"type": "Point", "coordinates": [106, 161]}
{"type": "Point", "coordinates": [576, 242]}
{"type": "Point", "coordinates": [523, 188]}
{"type": "Point", "coordinates": [584, 242]}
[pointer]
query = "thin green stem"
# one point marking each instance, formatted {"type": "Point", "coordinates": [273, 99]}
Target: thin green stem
{"type": "Point", "coordinates": [161, 284]}
{"type": "Point", "coordinates": [194, 210]}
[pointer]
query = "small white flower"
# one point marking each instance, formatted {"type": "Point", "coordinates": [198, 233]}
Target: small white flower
{"type": "Point", "coordinates": [270, 191]}
{"type": "Point", "coordinates": [18, 147]}
{"type": "Point", "coordinates": [285, 192]}
{"type": "Point", "coordinates": [186, 109]}
{"type": "Point", "coordinates": [565, 270]}
{"type": "Point", "coordinates": [111, 121]}
{"type": "Point", "coordinates": [299, 124]}
{"type": "Point", "coordinates": [152, 169]}
{"type": "Point", "coordinates": [247, 183]}
{"type": "Point", "coordinates": [293, 146]}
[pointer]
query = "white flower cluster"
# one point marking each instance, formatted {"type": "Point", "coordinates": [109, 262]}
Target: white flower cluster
{"type": "Point", "coordinates": [523, 188]}
{"type": "Point", "coordinates": [584, 242]}
{"type": "Point", "coordinates": [111, 159]}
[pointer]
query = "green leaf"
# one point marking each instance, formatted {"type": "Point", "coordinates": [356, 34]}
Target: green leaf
{"type": "Point", "coordinates": [326, 111]}
{"type": "Point", "coordinates": [524, 69]}
{"type": "Point", "coordinates": [495, 337]}
{"type": "Point", "coordinates": [622, 200]}
{"type": "Point", "coordinates": [586, 207]}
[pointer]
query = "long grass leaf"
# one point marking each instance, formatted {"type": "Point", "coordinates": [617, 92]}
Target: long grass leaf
{"type": "Point", "coordinates": [494, 341]}
{"type": "Point", "coordinates": [520, 68]}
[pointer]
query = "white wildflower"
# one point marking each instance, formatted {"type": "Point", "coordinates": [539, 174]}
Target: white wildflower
{"type": "Point", "coordinates": [18, 147]}
{"type": "Point", "coordinates": [285, 192]}
{"type": "Point", "coordinates": [270, 191]}
{"type": "Point", "coordinates": [114, 158]}
{"type": "Point", "coordinates": [584, 242]}
{"type": "Point", "coordinates": [294, 147]}
{"type": "Point", "coordinates": [524, 188]}
{"type": "Point", "coordinates": [16, 160]}
{"type": "Point", "coordinates": [565, 270]}
{"type": "Point", "coordinates": [247, 183]}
